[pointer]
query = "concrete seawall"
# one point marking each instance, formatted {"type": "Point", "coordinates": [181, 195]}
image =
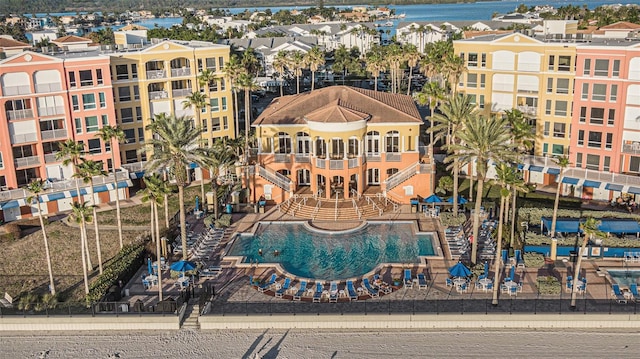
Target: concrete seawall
{"type": "Point", "coordinates": [89, 323]}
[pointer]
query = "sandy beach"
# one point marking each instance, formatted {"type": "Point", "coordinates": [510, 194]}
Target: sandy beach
{"type": "Point", "coordinates": [321, 344]}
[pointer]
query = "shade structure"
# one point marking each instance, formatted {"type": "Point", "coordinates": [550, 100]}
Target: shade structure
{"type": "Point", "coordinates": [434, 198]}
{"type": "Point", "coordinates": [461, 200]}
{"type": "Point", "coordinates": [149, 266]}
{"type": "Point", "coordinates": [486, 268]}
{"type": "Point", "coordinates": [459, 270]}
{"type": "Point", "coordinates": [183, 266]}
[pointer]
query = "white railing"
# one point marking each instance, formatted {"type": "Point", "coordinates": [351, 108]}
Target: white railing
{"type": "Point", "coordinates": [631, 148]}
{"type": "Point", "coordinates": [185, 71]}
{"type": "Point", "coordinates": [274, 177]}
{"type": "Point", "coordinates": [23, 138]}
{"type": "Point", "coordinates": [396, 206]}
{"type": "Point", "coordinates": [50, 157]}
{"type": "Point", "coordinates": [181, 92]}
{"type": "Point", "coordinates": [157, 95]}
{"type": "Point", "coordinates": [599, 176]}
{"type": "Point", "coordinates": [27, 161]}
{"type": "Point", "coordinates": [353, 162]}
{"type": "Point", "coordinates": [16, 90]}
{"type": "Point", "coordinates": [302, 158]}
{"type": "Point", "coordinates": [320, 163]}
{"type": "Point", "coordinates": [355, 194]}
{"type": "Point", "coordinates": [373, 157]}
{"type": "Point", "coordinates": [282, 158]}
{"type": "Point", "coordinates": [51, 111]}
{"type": "Point", "coordinates": [135, 166]}
{"type": "Point", "coordinates": [528, 110]}
{"type": "Point", "coordinates": [19, 114]}
{"type": "Point", "coordinates": [13, 194]}
{"type": "Point", "coordinates": [544, 161]}
{"type": "Point", "coordinates": [400, 177]}
{"type": "Point", "coordinates": [374, 205]}
{"type": "Point", "coordinates": [50, 87]}
{"type": "Point", "coordinates": [53, 134]}
{"type": "Point", "coordinates": [315, 210]}
{"type": "Point", "coordinates": [156, 74]}
{"type": "Point", "coordinates": [336, 164]}
{"type": "Point", "coordinates": [393, 157]}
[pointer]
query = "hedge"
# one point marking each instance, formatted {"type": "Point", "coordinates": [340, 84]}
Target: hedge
{"type": "Point", "coordinates": [123, 266]}
{"type": "Point", "coordinates": [450, 219]}
{"type": "Point", "coordinates": [534, 215]}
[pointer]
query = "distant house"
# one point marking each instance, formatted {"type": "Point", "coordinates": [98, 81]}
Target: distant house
{"type": "Point", "coordinates": [10, 47]}
{"type": "Point", "coordinates": [618, 30]}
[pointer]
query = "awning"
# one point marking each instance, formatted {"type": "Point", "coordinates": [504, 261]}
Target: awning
{"type": "Point", "coordinates": [572, 225]}
{"type": "Point", "coordinates": [593, 184]}
{"type": "Point", "coordinates": [10, 204]}
{"type": "Point", "coordinates": [611, 226]}
{"type": "Point", "coordinates": [193, 165]}
{"type": "Point", "coordinates": [553, 171]}
{"type": "Point", "coordinates": [570, 180]}
{"type": "Point", "coordinates": [520, 166]}
{"type": "Point", "coordinates": [536, 168]}
{"type": "Point", "coordinates": [136, 175]}
{"type": "Point", "coordinates": [55, 196]}
{"type": "Point", "coordinates": [613, 187]}
{"type": "Point", "coordinates": [567, 225]}
{"type": "Point", "coordinates": [634, 190]}
{"type": "Point", "coordinates": [74, 193]}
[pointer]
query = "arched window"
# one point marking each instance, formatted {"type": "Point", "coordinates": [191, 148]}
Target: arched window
{"type": "Point", "coordinates": [373, 143]}
{"type": "Point", "coordinates": [353, 148]}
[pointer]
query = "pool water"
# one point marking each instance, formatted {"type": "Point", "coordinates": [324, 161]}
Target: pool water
{"type": "Point", "coordinates": [625, 277]}
{"type": "Point", "coordinates": [333, 256]}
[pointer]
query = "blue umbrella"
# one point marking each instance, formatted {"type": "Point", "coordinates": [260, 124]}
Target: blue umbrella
{"type": "Point", "coordinates": [512, 272]}
{"type": "Point", "coordinates": [461, 200]}
{"type": "Point", "coordinates": [459, 270]}
{"type": "Point", "coordinates": [486, 268]}
{"type": "Point", "coordinates": [149, 266]}
{"type": "Point", "coordinates": [197, 203]}
{"type": "Point", "coordinates": [434, 198]}
{"type": "Point", "coordinates": [183, 266]}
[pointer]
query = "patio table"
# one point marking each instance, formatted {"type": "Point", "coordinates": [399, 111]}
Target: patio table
{"type": "Point", "coordinates": [458, 281]}
{"type": "Point", "coordinates": [484, 282]}
{"type": "Point", "coordinates": [153, 279]}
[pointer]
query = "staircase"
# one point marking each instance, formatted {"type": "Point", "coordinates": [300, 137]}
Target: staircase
{"type": "Point", "coordinates": [191, 316]}
{"type": "Point", "coordinates": [331, 210]}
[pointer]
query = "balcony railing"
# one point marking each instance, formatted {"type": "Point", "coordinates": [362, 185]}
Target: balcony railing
{"type": "Point", "coordinates": [24, 138]}
{"type": "Point", "coordinates": [275, 178]}
{"type": "Point", "coordinates": [157, 95]}
{"type": "Point", "coordinates": [336, 164]}
{"type": "Point", "coordinates": [282, 158]}
{"type": "Point", "coordinates": [50, 157]}
{"type": "Point", "coordinates": [181, 92]}
{"type": "Point", "coordinates": [373, 157]}
{"type": "Point", "coordinates": [353, 162]}
{"type": "Point", "coordinates": [50, 87]}
{"type": "Point", "coordinates": [54, 134]}
{"type": "Point", "coordinates": [528, 110]}
{"type": "Point", "coordinates": [27, 161]}
{"type": "Point", "coordinates": [393, 157]}
{"type": "Point", "coordinates": [399, 177]}
{"type": "Point", "coordinates": [631, 148]}
{"type": "Point", "coordinates": [156, 74]}
{"type": "Point", "coordinates": [16, 90]}
{"type": "Point", "coordinates": [51, 111]}
{"type": "Point", "coordinates": [19, 114]}
{"type": "Point", "coordinates": [321, 163]}
{"type": "Point", "coordinates": [185, 71]}
{"type": "Point", "coordinates": [302, 158]}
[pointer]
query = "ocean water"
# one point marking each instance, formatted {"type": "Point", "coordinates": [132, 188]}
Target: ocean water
{"type": "Point", "coordinates": [326, 256]}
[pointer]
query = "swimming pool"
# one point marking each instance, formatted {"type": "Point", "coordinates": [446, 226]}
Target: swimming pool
{"type": "Point", "coordinates": [624, 277]}
{"type": "Point", "coordinates": [333, 256]}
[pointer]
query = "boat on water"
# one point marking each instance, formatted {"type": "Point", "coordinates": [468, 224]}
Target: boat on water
{"type": "Point", "coordinates": [388, 24]}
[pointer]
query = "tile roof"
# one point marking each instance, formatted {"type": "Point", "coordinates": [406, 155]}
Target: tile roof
{"type": "Point", "coordinates": [130, 27]}
{"type": "Point", "coordinates": [621, 25]}
{"type": "Point", "coordinates": [71, 39]}
{"type": "Point", "coordinates": [7, 42]}
{"type": "Point", "coordinates": [340, 104]}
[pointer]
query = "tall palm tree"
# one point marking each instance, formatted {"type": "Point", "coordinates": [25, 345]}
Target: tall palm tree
{"type": "Point", "coordinates": [412, 56]}
{"type": "Point", "coordinates": [81, 214]}
{"type": "Point", "coordinates": [481, 141]}
{"type": "Point", "coordinates": [431, 95]}
{"type": "Point", "coordinates": [314, 59]}
{"type": "Point", "coordinates": [280, 66]}
{"type": "Point", "coordinates": [375, 63]}
{"type": "Point", "coordinates": [154, 192]}
{"type": "Point", "coordinates": [175, 145]}
{"type": "Point", "coordinates": [114, 134]}
{"type": "Point", "coordinates": [86, 171]}
{"type": "Point", "coordinates": [36, 187]}
{"type": "Point", "coordinates": [222, 156]}
{"type": "Point", "coordinates": [563, 162]}
{"type": "Point", "coordinates": [394, 58]}
{"type": "Point", "coordinates": [505, 175]}
{"type": "Point", "coordinates": [452, 70]}
{"type": "Point", "coordinates": [589, 230]}
{"type": "Point", "coordinates": [246, 82]}
{"type": "Point", "coordinates": [297, 63]}
{"type": "Point", "coordinates": [455, 113]}
{"type": "Point", "coordinates": [232, 70]}
{"type": "Point", "coordinates": [198, 101]}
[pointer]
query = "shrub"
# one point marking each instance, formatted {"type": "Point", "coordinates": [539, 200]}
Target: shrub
{"type": "Point", "coordinates": [224, 221]}
{"type": "Point", "coordinates": [533, 260]}
{"type": "Point", "coordinates": [11, 232]}
{"type": "Point", "coordinates": [122, 267]}
{"type": "Point", "coordinates": [451, 219]}
{"type": "Point", "coordinates": [548, 285]}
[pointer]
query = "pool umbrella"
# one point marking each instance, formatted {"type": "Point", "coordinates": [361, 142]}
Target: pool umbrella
{"type": "Point", "coordinates": [459, 270]}
{"type": "Point", "coordinates": [197, 203]}
{"type": "Point", "coordinates": [149, 266]}
{"type": "Point", "coordinates": [512, 272]}
{"type": "Point", "coordinates": [434, 198]}
{"type": "Point", "coordinates": [486, 268]}
{"type": "Point", "coordinates": [183, 266]}
{"type": "Point", "coordinates": [461, 200]}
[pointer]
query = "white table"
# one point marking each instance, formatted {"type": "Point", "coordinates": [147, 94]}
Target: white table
{"type": "Point", "coordinates": [183, 281]}
{"type": "Point", "coordinates": [458, 281]}
{"type": "Point", "coordinates": [152, 279]}
{"type": "Point", "coordinates": [510, 285]}
{"type": "Point", "coordinates": [484, 282]}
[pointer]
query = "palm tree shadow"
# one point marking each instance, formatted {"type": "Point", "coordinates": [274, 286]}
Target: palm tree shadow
{"type": "Point", "coordinates": [254, 345]}
{"type": "Point", "coordinates": [275, 350]}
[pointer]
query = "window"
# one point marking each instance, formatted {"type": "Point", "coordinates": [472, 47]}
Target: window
{"type": "Point", "coordinates": [126, 115]}
{"type": "Point", "coordinates": [613, 96]}
{"type": "Point", "coordinates": [78, 123]}
{"type": "Point", "coordinates": [481, 102]}
{"type": "Point", "coordinates": [545, 148]}
{"type": "Point", "coordinates": [139, 114]}
{"type": "Point", "coordinates": [583, 114]}
{"type": "Point", "coordinates": [130, 135]}
{"type": "Point", "coordinates": [136, 92]}
{"type": "Point", "coordinates": [99, 76]}
{"type": "Point", "coordinates": [472, 99]}
{"type": "Point", "coordinates": [213, 85]}
{"type": "Point", "coordinates": [131, 156]}
{"type": "Point", "coordinates": [595, 139]}
{"type": "Point", "coordinates": [559, 129]}
{"type": "Point", "coordinates": [599, 92]}
{"type": "Point", "coordinates": [547, 108]}
{"type": "Point", "coordinates": [482, 80]}
{"type": "Point", "coordinates": [223, 85]}
{"type": "Point", "coordinates": [562, 86]}
{"type": "Point", "coordinates": [94, 146]}
{"type": "Point", "coordinates": [105, 120]}
{"type": "Point", "coordinates": [122, 73]}
{"type": "Point", "coordinates": [134, 71]}
{"type": "Point", "coordinates": [2, 166]}
{"type": "Point", "coordinates": [124, 94]}
{"type": "Point", "coordinates": [551, 63]}
{"type": "Point", "coordinates": [601, 68]}
{"type": "Point", "coordinates": [580, 137]}
{"type": "Point", "coordinates": [473, 60]}
{"type": "Point", "coordinates": [561, 108]}
{"type": "Point", "coordinates": [215, 107]}
{"type": "Point", "coordinates": [103, 100]}
{"type": "Point", "coordinates": [549, 85]}
{"type": "Point", "coordinates": [224, 103]}
{"type": "Point", "coordinates": [204, 125]}
{"type": "Point", "coordinates": [86, 79]}
{"type": "Point", "coordinates": [593, 162]}
{"type": "Point", "coordinates": [89, 101]}
{"type": "Point", "coordinates": [215, 124]}
{"type": "Point", "coordinates": [587, 66]}
{"type": "Point", "coordinates": [608, 144]}
{"type": "Point", "coordinates": [564, 63]}
{"type": "Point", "coordinates": [211, 63]}
{"type": "Point", "coordinates": [221, 63]}
{"type": "Point", "coordinates": [72, 79]}
{"type": "Point", "coordinates": [611, 119]}
{"type": "Point", "coordinates": [225, 123]}
{"type": "Point", "coordinates": [392, 140]}
{"type": "Point", "coordinates": [547, 125]}
{"type": "Point", "coordinates": [484, 61]}
{"type": "Point", "coordinates": [74, 102]}
{"type": "Point", "coordinates": [92, 123]}
{"type": "Point", "coordinates": [557, 149]}
{"type": "Point", "coordinates": [140, 135]}
{"type": "Point", "coordinates": [585, 91]}
{"type": "Point", "coordinates": [579, 160]}
{"type": "Point", "coordinates": [597, 116]}
{"type": "Point", "coordinates": [472, 80]}
{"type": "Point", "coordinates": [373, 176]}
{"type": "Point", "coordinates": [616, 68]}
{"type": "Point", "coordinates": [607, 163]}
{"type": "Point", "coordinates": [461, 56]}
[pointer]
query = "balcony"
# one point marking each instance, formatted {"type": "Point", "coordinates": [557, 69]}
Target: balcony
{"type": "Point", "coordinates": [156, 74]}
{"type": "Point", "coordinates": [631, 148]}
{"type": "Point", "coordinates": [336, 164]}
{"type": "Point", "coordinates": [302, 158]}
{"type": "Point", "coordinates": [51, 111]}
{"type": "Point", "coordinates": [353, 162]}
{"type": "Point", "coordinates": [185, 71]}
{"type": "Point", "coordinates": [282, 158]}
{"type": "Point", "coordinates": [16, 90]}
{"type": "Point", "coordinates": [51, 87]}
{"type": "Point", "coordinates": [24, 138]}
{"type": "Point", "coordinates": [321, 163]}
{"type": "Point", "coordinates": [181, 92]}
{"type": "Point", "coordinates": [393, 157]}
{"type": "Point", "coordinates": [158, 95]}
{"type": "Point", "coordinates": [19, 114]}
{"type": "Point", "coordinates": [54, 134]}
{"type": "Point", "coordinates": [528, 110]}
{"type": "Point", "coordinates": [50, 157]}
{"type": "Point", "coordinates": [27, 161]}
{"type": "Point", "coordinates": [373, 157]}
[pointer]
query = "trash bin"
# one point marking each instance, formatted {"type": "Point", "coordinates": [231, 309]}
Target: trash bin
{"type": "Point", "coordinates": [414, 205]}
{"type": "Point", "coordinates": [573, 256]}
{"type": "Point", "coordinates": [229, 208]}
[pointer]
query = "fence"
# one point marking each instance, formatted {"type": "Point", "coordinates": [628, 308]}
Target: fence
{"type": "Point", "coordinates": [440, 306]}
{"type": "Point", "coordinates": [169, 307]}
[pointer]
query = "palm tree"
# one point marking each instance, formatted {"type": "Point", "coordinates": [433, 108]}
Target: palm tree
{"type": "Point", "coordinates": [175, 145]}
{"type": "Point", "coordinates": [198, 101]}
{"type": "Point", "coordinates": [505, 175]}
{"type": "Point", "coordinates": [589, 229]}
{"type": "Point", "coordinates": [481, 141]}
{"type": "Point", "coordinates": [222, 156]}
{"type": "Point", "coordinates": [86, 171]}
{"type": "Point", "coordinates": [280, 66]}
{"type": "Point", "coordinates": [453, 69]}
{"type": "Point", "coordinates": [246, 82]}
{"type": "Point", "coordinates": [80, 213]}
{"type": "Point", "coordinates": [431, 95]}
{"type": "Point", "coordinates": [114, 134]}
{"type": "Point", "coordinates": [412, 56]}
{"type": "Point", "coordinates": [314, 59]}
{"type": "Point", "coordinates": [36, 187]}
{"type": "Point", "coordinates": [297, 63]}
{"type": "Point", "coordinates": [375, 63]}
{"type": "Point", "coordinates": [563, 162]}
{"type": "Point", "coordinates": [232, 70]}
{"type": "Point", "coordinates": [154, 192]}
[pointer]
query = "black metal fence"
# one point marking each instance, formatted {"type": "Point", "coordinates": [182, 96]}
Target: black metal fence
{"type": "Point", "coordinates": [443, 306]}
{"type": "Point", "coordinates": [165, 308]}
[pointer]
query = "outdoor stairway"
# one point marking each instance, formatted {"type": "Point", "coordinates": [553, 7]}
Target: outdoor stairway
{"type": "Point", "coordinates": [328, 210]}
{"type": "Point", "coordinates": [191, 317]}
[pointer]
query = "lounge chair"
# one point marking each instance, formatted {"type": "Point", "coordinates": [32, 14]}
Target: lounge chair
{"type": "Point", "coordinates": [422, 281]}
{"type": "Point", "coordinates": [449, 282]}
{"type": "Point", "coordinates": [372, 291]}
{"type": "Point", "coordinates": [519, 259]}
{"type": "Point", "coordinates": [280, 292]}
{"type": "Point", "coordinates": [408, 281]}
{"type": "Point", "coordinates": [268, 284]}
{"type": "Point", "coordinates": [462, 288]}
{"type": "Point", "coordinates": [633, 288]}
{"type": "Point", "coordinates": [317, 295]}
{"type": "Point", "coordinates": [620, 298]}
{"type": "Point", "coordinates": [333, 292]}
{"type": "Point", "coordinates": [353, 295]}
{"type": "Point", "coordinates": [513, 290]}
{"type": "Point", "coordinates": [303, 288]}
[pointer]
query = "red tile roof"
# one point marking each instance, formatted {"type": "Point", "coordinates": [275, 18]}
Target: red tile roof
{"type": "Point", "coordinates": [6, 42]}
{"type": "Point", "coordinates": [71, 39]}
{"type": "Point", "coordinates": [621, 25]}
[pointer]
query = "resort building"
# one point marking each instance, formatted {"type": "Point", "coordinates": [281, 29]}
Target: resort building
{"type": "Point", "coordinates": [421, 33]}
{"type": "Point", "coordinates": [340, 142]}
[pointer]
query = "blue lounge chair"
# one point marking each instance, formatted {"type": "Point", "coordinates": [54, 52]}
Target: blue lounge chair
{"type": "Point", "coordinates": [449, 282]}
{"type": "Point", "coordinates": [634, 289]}
{"type": "Point", "coordinates": [333, 292]}
{"type": "Point", "coordinates": [618, 294]}
{"type": "Point", "coordinates": [268, 284]}
{"type": "Point", "coordinates": [422, 281]}
{"type": "Point", "coordinates": [489, 285]}
{"type": "Point", "coordinates": [317, 295]}
{"type": "Point", "coordinates": [300, 292]}
{"type": "Point", "coordinates": [513, 290]}
{"type": "Point", "coordinates": [505, 256]}
{"type": "Point", "coordinates": [408, 281]}
{"type": "Point", "coordinates": [372, 291]}
{"type": "Point", "coordinates": [353, 295]}
{"type": "Point", "coordinates": [284, 288]}
{"type": "Point", "coordinates": [519, 259]}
